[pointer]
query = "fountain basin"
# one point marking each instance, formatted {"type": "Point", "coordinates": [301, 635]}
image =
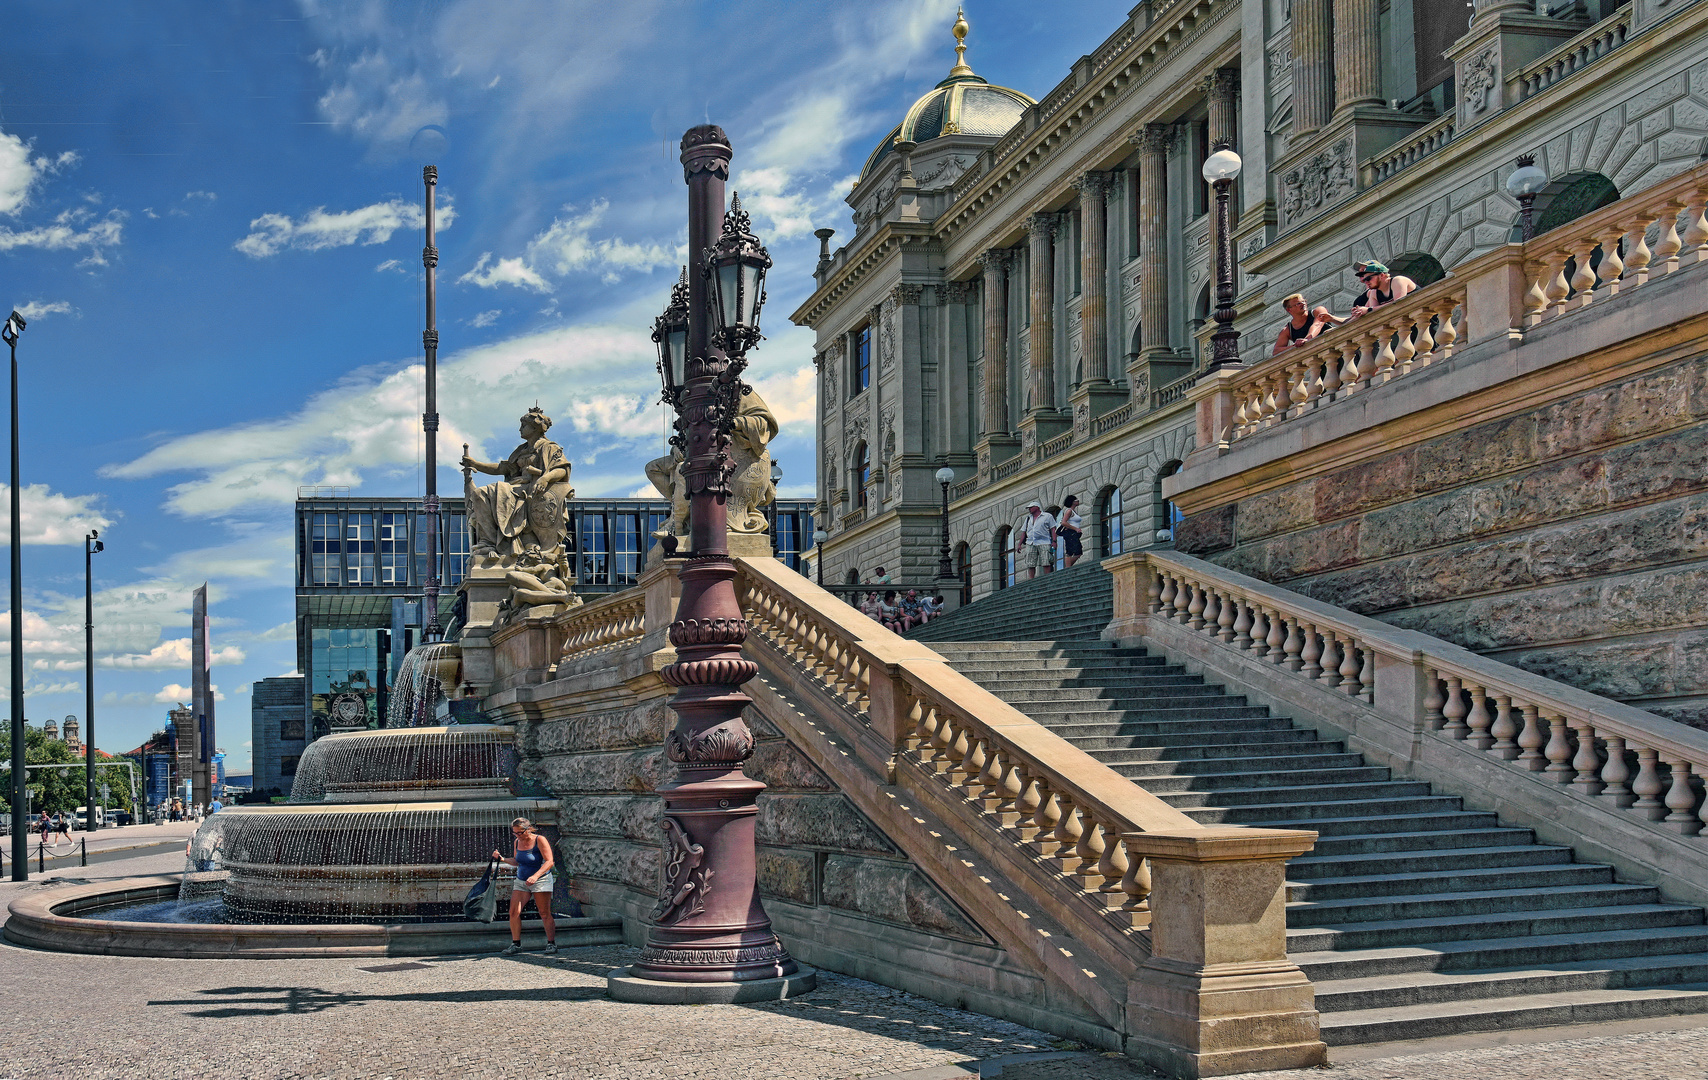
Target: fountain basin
{"type": "Point", "coordinates": [67, 920]}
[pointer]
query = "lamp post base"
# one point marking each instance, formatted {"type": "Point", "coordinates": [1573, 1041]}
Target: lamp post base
{"type": "Point", "coordinates": [626, 987]}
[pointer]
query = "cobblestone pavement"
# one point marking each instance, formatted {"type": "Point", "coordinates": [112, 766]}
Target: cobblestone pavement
{"type": "Point", "coordinates": [489, 1016]}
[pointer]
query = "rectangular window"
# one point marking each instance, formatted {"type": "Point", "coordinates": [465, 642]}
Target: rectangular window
{"type": "Point", "coordinates": [789, 539]}
{"type": "Point", "coordinates": [456, 547]}
{"type": "Point", "coordinates": [288, 764]}
{"type": "Point", "coordinates": [595, 551]}
{"type": "Point", "coordinates": [359, 549]}
{"type": "Point", "coordinates": [627, 547]}
{"type": "Point", "coordinates": [1205, 198]}
{"type": "Point", "coordinates": [326, 547]}
{"type": "Point", "coordinates": [394, 549]}
{"type": "Point", "coordinates": [291, 729]}
{"type": "Point", "coordinates": [862, 361]}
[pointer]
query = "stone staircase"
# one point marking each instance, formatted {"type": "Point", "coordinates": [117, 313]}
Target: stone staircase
{"type": "Point", "coordinates": [1413, 916]}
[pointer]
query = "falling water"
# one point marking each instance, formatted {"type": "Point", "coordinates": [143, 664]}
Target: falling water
{"type": "Point", "coordinates": [427, 676]}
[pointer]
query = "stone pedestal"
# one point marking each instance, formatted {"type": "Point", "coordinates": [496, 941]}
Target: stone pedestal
{"type": "Point", "coordinates": [993, 450]}
{"type": "Point", "coordinates": [1090, 402]}
{"type": "Point", "coordinates": [1219, 995]}
{"type": "Point", "coordinates": [1040, 426]}
{"type": "Point", "coordinates": [1502, 39]}
{"type": "Point", "coordinates": [742, 545]}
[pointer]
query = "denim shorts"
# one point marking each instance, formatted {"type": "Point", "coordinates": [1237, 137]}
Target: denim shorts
{"type": "Point", "coordinates": [543, 885]}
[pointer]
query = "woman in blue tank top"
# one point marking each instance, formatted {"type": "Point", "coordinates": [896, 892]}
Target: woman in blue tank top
{"type": "Point", "coordinates": [533, 863]}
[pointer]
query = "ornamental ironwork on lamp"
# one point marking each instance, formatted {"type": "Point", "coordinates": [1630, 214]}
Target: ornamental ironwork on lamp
{"type": "Point", "coordinates": [736, 266]}
{"type": "Point", "coordinates": [670, 334]}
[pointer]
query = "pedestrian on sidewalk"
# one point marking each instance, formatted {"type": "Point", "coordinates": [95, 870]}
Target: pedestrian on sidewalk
{"type": "Point", "coordinates": [533, 862]}
{"type": "Point", "coordinates": [1037, 544]}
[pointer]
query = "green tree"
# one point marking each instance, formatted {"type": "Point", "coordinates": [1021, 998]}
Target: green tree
{"type": "Point", "coordinates": [60, 791]}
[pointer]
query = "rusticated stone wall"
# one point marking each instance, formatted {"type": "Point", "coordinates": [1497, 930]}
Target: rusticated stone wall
{"type": "Point", "coordinates": [1570, 539]}
{"type": "Point", "coordinates": [824, 868]}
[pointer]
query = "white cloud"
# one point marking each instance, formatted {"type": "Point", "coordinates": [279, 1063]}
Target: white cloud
{"type": "Point", "coordinates": [270, 234]}
{"type": "Point", "coordinates": [378, 103]}
{"type": "Point", "coordinates": [207, 195]}
{"type": "Point", "coordinates": [174, 694]}
{"type": "Point", "coordinates": [389, 265]}
{"type": "Point", "coordinates": [486, 318]}
{"type": "Point", "coordinates": [47, 517]}
{"type": "Point", "coordinates": [35, 309]}
{"type": "Point", "coordinates": [567, 246]}
{"type": "Point", "coordinates": [20, 173]}
{"type": "Point", "coordinates": [71, 230]}
{"type": "Point", "coordinates": [171, 654]}
{"type": "Point", "coordinates": [243, 689]}
{"type": "Point", "coordinates": [134, 697]}
{"type": "Point", "coordinates": [792, 395]}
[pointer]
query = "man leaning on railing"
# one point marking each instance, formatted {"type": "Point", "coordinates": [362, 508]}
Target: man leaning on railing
{"type": "Point", "coordinates": [1380, 287]}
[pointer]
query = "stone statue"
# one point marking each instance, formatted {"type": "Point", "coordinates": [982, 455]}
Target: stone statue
{"type": "Point", "coordinates": [526, 508]}
{"type": "Point", "coordinates": [536, 580]}
{"type": "Point", "coordinates": [666, 475]}
{"type": "Point", "coordinates": [751, 489]}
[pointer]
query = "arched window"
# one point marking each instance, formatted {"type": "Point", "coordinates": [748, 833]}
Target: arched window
{"type": "Point", "coordinates": [1571, 197]}
{"type": "Point", "coordinates": [1166, 515]}
{"type": "Point", "coordinates": [964, 571]}
{"type": "Point", "coordinates": [1004, 557]}
{"type": "Point", "coordinates": [853, 577]}
{"type": "Point", "coordinates": [1201, 315]}
{"type": "Point", "coordinates": [1109, 520]}
{"type": "Point", "coordinates": [862, 474]}
{"type": "Point", "coordinates": [1421, 267]}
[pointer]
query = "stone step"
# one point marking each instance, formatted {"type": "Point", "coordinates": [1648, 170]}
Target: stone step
{"type": "Point", "coordinates": [1398, 825]}
{"type": "Point", "coordinates": [1145, 686]}
{"type": "Point", "coordinates": [1299, 814]}
{"type": "Point", "coordinates": [1468, 905]}
{"type": "Point", "coordinates": [1205, 743]}
{"type": "Point", "coordinates": [1591, 948]}
{"type": "Point", "coordinates": [1246, 782]}
{"type": "Point", "coordinates": [1470, 879]}
{"type": "Point", "coordinates": [1110, 724]}
{"type": "Point", "coordinates": [1083, 712]}
{"type": "Point", "coordinates": [1423, 931]}
{"type": "Point", "coordinates": [1501, 1014]}
{"type": "Point", "coordinates": [1067, 698]}
{"type": "Point", "coordinates": [1228, 751]}
{"type": "Point", "coordinates": [1432, 987]}
{"type": "Point", "coordinates": [1282, 764]}
{"type": "Point", "coordinates": [1408, 844]}
{"type": "Point", "coordinates": [981, 664]}
{"type": "Point", "coordinates": [1322, 868]}
{"type": "Point", "coordinates": [1231, 798]}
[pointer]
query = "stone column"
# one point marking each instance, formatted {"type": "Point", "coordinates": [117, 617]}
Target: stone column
{"type": "Point", "coordinates": [1221, 89]}
{"type": "Point", "coordinates": [1041, 371]}
{"type": "Point", "coordinates": [1093, 275]}
{"type": "Point", "coordinates": [1313, 65]}
{"type": "Point", "coordinates": [996, 445]}
{"type": "Point", "coordinates": [1153, 144]}
{"type": "Point", "coordinates": [1357, 53]}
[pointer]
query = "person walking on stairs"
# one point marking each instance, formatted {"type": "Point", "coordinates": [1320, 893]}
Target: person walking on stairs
{"type": "Point", "coordinates": [1037, 546]}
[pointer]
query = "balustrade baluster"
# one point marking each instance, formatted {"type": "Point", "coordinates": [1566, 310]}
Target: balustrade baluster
{"type": "Point", "coordinates": [1283, 393]}
{"type": "Point", "coordinates": [1331, 376]}
{"type": "Point", "coordinates": [1348, 367]}
{"type": "Point", "coordinates": [1112, 864]}
{"type": "Point", "coordinates": [1267, 416]}
{"type": "Point", "coordinates": [1385, 353]}
{"type": "Point", "coordinates": [1448, 333]}
{"type": "Point", "coordinates": [1136, 885]}
{"type": "Point", "coordinates": [1349, 668]}
{"type": "Point", "coordinates": [1558, 289]}
{"type": "Point", "coordinates": [1165, 599]}
{"type": "Point", "coordinates": [1212, 611]}
{"type": "Point", "coordinates": [1425, 343]}
{"type": "Point", "coordinates": [1242, 422]}
{"type": "Point", "coordinates": [1311, 386]}
{"type": "Point", "coordinates": [972, 765]}
{"type": "Point", "coordinates": [1587, 762]}
{"type": "Point", "coordinates": [1242, 626]}
{"type": "Point", "coordinates": [1153, 594]}
{"type": "Point", "coordinates": [1225, 616]}
{"type": "Point", "coordinates": [1681, 799]}
{"type": "Point", "coordinates": [1046, 818]}
{"type": "Point", "coordinates": [1479, 720]}
{"type": "Point", "coordinates": [1616, 774]}
{"type": "Point", "coordinates": [1259, 631]}
{"type": "Point", "coordinates": [1432, 703]}
{"type": "Point", "coordinates": [1183, 602]}
{"type": "Point", "coordinates": [1311, 654]}
{"type": "Point", "coordinates": [1536, 298]}
{"type": "Point", "coordinates": [1583, 276]}
{"type": "Point", "coordinates": [1089, 849]}
{"type": "Point", "coordinates": [994, 779]}
{"type": "Point", "coordinates": [1530, 740]}
{"type": "Point", "coordinates": [1367, 677]}
{"type": "Point", "coordinates": [1406, 348]}
{"type": "Point", "coordinates": [1455, 710]}
{"type": "Point", "coordinates": [1330, 676]}
{"type": "Point", "coordinates": [1667, 248]}
{"type": "Point", "coordinates": [917, 734]}
{"type": "Point", "coordinates": [1276, 638]}
{"type": "Point", "coordinates": [1293, 646]}
{"type": "Point", "coordinates": [1026, 805]}
{"type": "Point", "coordinates": [956, 754]}
{"type": "Point", "coordinates": [1503, 729]}
{"type": "Point", "coordinates": [1695, 235]}
{"type": "Point", "coordinates": [1558, 751]}
{"type": "Point", "coordinates": [1367, 350]}
{"type": "Point", "coordinates": [1067, 834]}
{"type": "Point", "coordinates": [1612, 266]}
{"type": "Point", "coordinates": [1637, 258]}
{"type": "Point", "coordinates": [1195, 609]}
{"type": "Point", "coordinates": [1648, 785]}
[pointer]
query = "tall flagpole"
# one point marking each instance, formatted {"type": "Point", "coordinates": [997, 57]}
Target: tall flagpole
{"type": "Point", "coordinates": [430, 629]}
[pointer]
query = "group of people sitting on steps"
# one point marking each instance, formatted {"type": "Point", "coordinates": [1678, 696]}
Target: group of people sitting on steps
{"type": "Point", "coordinates": [903, 612]}
{"type": "Point", "coordinates": [1302, 327]}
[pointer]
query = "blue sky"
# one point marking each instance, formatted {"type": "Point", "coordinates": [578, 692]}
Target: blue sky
{"type": "Point", "coordinates": [210, 213]}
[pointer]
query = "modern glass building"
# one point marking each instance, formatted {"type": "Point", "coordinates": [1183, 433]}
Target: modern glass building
{"type": "Point", "coordinates": [362, 563]}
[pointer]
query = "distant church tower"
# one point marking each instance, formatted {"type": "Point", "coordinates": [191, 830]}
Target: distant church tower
{"type": "Point", "coordinates": [51, 729]}
{"type": "Point", "coordinates": [72, 738]}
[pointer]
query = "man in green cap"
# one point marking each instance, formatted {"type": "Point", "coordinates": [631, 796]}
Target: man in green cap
{"type": "Point", "coordinates": [1380, 287]}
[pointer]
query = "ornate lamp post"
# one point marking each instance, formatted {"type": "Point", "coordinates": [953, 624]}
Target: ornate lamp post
{"type": "Point", "coordinates": [430, 629]}
{"type": "Point", "coordinates": [819, 536]}
{"type": "Point", "coordinates": [710, 939]}
{"type": "Point", "coordinates": [771, 510]}
{"type": "Point", "coordinates": [1220, 169]}
{"type": "Point", "coordinates": [20, 804]}
{"type": "Point", "coordinates": [91, 545]}
{"type": "Point", "coordinates": [1525, 183]}
{"type": "Point", "coordinates": [945, 565]}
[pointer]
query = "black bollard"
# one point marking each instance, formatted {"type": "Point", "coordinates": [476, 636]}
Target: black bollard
{"type": "Point", "coordinates": [41, 856]}
{"type": "Point", "coordinates": [84, 856]}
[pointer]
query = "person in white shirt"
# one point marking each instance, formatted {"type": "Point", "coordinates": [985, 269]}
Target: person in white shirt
{"type": "Point", "coordinates": [1037, 546]}
{"type": "Point", "coordinates": [1071, 529]}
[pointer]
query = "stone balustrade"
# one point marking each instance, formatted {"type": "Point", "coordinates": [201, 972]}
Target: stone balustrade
{"type": "Point", "coordinates": [1112, 419]}
{"type": "Point", "coordinates": [616, 620]}
{"type": "Point", "coordinates": [1607, 252]}
{"type": "Point", "coordinates": [1409, 151]}
{"type": "Point", "coordinates": [1572, 56]}
{"type": "Point", "coordinates": [1057, 445]}
{"type": "Point", "coordinates": [1643, 772]}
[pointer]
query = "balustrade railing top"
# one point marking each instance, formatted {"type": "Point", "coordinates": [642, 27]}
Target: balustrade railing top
{"type": "Point", "coordinates": [614, 620]}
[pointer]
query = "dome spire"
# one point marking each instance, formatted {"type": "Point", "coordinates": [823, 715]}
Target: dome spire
{"type": "Point", "coordinates": [960, 70]}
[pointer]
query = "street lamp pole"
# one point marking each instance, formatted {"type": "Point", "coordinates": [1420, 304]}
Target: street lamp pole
{"type": "Point", "coordinates": [91, 545]}
{"type": "Point", "coordinates": [819, 536]}
{"type": "Point", "coordinates": [708, 930]}
{"type": "Point", "coordinates": [20, 841]}
{"type": "Point", "coordinates": [430, 629]}
{"type": "Point", "coordinates": [945, 565]}
{"type": "Point", "coordinates": [1524, 184]}
{"type": "Point", "coordinates": [1220, 169]}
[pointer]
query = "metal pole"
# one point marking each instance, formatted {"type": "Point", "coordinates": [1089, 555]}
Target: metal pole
{"type": "Point", "coordinates": [430, 629]}
{"type": "Point", "coordinates": [1224, 343]}
{"type": "Point", "coordinates": [88, 686]}
{"type": "Point", "coordinates": [20, 844]}
{"type": "Point", "coordinates": [700, 935]}
{"type": "Point", "coordinates": [945, 566]}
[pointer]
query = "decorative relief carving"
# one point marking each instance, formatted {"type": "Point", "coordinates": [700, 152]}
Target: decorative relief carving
{"type": "Point", "coordinates": [1082, 419]}
{"type": "Point", "coordinates": [1142, 388]}
{"type": "Point", "coordinates": [904, 293]}
{"type": "Point", "coordinates": [753, 954]}
{"type": "Point", "coordinates": [1281, 59]}
{"type": "Point", "coordinates": [1253, 245]}
{"type": "Point", "coordinates": [1092, 185]}
{"type": "Point", "coordinates": [1318, 181]}
{"type": "Point", "coordinates": [887, 431]}
{"type": "Point", "coordinates": [829, 385]}
{"type": "Point", "coordinates": [684, 880]}
{"type": "Point", "coordinates": [726, 744]}
{"type": "Point", "coordinates": [1482, 73]}
{"type": "Point", "coordinates": [948, 170]}
{"type": "Point", "coordinates": [720, 631]}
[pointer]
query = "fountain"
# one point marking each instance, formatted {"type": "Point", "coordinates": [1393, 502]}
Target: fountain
{"type": "Point", "coordinates": [384, 833]}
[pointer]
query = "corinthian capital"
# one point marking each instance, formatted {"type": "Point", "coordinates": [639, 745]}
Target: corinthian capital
{"type": "Point", "coordinates": [1041, 227]}
{"type": "Point", "coordinates": [1092, 184]}
{"type": "Point", "coordinates": [994, 261]}
{"type": "Point", "coordinates": [1221, 85]}
{"type": "Point", "coordinates": [1153, 139]}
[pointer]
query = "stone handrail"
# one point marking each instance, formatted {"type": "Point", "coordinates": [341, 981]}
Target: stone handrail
{"type": "Point", "coordinates": [618, 619]}
{"type": "Point", "coordinates": [1112, 419]}
{"type": "Point", "coordinates": [1174, 391]}
{"type": "Point", "coordinates": [1388, 343]}
{"type": "Point", "coordinates": [1002, 470]}
{"type": "Point", "coordinates": [1057, 445]}
{"type": "Point", "coordinates": [1420, 144]}
{"type": "Point", "coordinates": [964, 488]}
{"type": "Point", "coordinates": [1071, 810]}
{"type": "Point", "coordinates": [1565, 271]}
{"type": "Point", "coordinates": [1572, 56]}
{"type": "Point", "coordinates": [1640, 766]}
